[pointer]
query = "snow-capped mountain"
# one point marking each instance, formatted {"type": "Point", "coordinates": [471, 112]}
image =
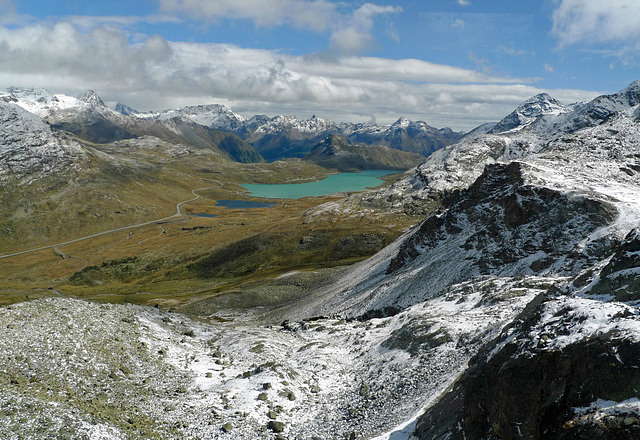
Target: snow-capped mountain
{"type": "Point", "coordinates": [90, 119]}
{"type": "Point", "coordinates": [287, 136]}
{"type": "Point", "coordinates": [413, 136]}
{"type": "Point", "coordinates": [41, 102]}
{"type": "Point", "coordinates": [551, 191]}
{"type": "Point", "coordinates": [125, 109]}
{"type": "Point", "coordinates": [530, 111]}
{"type": "Point", "coordinates": [215, 116]}
{"type": "Point", "coordinates": [585, 132]}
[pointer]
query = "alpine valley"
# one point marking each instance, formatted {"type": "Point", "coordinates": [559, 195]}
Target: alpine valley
{"type": "Point", "coordinates": [489, 292]}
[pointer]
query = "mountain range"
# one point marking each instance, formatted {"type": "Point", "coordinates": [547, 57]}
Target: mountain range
{"type": "Point", "coordinates": [510, 310]}
{"type": "Point", "coordinates": [288, 136]}
{"type": "Point", "coordinates": [218, 128]}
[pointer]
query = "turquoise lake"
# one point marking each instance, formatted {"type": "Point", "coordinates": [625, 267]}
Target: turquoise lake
{"type": "Point", "coordinates": [343, 182]}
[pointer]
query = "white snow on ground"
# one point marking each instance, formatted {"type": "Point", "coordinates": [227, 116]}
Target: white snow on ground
{"type": "Point", "coordinates": [602, 408]}
{"type": "Point", "coordinates": [326, 377]}
{"type": "Point", "coordinates": [580, 318]}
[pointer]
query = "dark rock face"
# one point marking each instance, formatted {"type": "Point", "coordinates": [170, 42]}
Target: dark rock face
{"type": "Point", "coordinates": [620, 277]}
{"type": "Point", "coordinates": [522, 389]}
{"type": "Point", "coordinates": [96, 130]}
{"type": "Point", "coordinates": [504, 221]}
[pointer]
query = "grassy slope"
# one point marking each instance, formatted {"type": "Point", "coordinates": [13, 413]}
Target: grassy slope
{"type": "Point", "coordinates": [172, 263]}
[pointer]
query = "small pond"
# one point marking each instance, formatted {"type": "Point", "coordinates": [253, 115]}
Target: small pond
{"type": "Point", "coordinates": [243, 204]}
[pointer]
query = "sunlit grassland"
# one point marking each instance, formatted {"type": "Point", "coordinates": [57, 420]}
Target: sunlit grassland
{"type": "Point", "coordinates": [183, 259]}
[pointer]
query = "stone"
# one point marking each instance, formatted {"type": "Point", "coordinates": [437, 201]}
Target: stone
{"type": "Point", "coordinates": [275, 426]}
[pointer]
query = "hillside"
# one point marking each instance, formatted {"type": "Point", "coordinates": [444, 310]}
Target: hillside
{"type": "Point", "coordinates": [510, 310]}
{"type": "Point", "coordinates": [336, 153]}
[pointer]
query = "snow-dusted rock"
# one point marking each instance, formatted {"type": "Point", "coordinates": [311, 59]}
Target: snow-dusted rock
{"type": "Point", "coordinates": [29, 147]}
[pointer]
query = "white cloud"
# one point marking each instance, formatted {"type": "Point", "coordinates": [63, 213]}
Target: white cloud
{"type": "Point", "coordinates": [511, 51]}
{"type": "Point", "coordinates": [9, 14]}
{"type": "Point", "coordinates": [350, 30]}
{"type": "Point", "coordinates": [464, 2]}
{"type": "Point", "coordinates": [103, 55]}
{"type": "Point", "coordinates": [354, 35]}
{"type": "Point", "coordinates": [317, 15]}
{"type": "Point", "coordinates": [157, 74]}
{"type": "Point", "coordinates": [7, 6]}
{"type": "Point", "coordinates": [548, 68]}
{"type": "Point", "coordinates": [84, 22]}
{"type": "Point", "coordinates": [596, 21]}
{"type": "Point", "coordinates": [458, 24]}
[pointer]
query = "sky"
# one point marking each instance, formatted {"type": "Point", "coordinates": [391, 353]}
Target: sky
{"type": "Point", "coordinates": [455, 63]}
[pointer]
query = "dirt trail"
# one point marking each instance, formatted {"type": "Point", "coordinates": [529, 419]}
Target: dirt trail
{"type": "Point", "coordinates": [179, 213]}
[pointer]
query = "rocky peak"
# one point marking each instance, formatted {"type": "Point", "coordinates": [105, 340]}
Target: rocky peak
{"type": "Point", "coordinates": [331, 146]}
{"type": "Point", "coordinates": [621, 276]}
{"type": "Point", "coordinates": [92, 98]}
{"type": "Point", "coordinates": [529, 111]}
{"type": "Point", "coordinates": [402, 122]}
{"type": "Point", "coordinates": [125, 109]}
{"type": "Point", "coordinates": [632, 93]}
{"type": "Point", "coordinates": [549, 375]}
{"type": "Point", "coordinates": [504, 225]}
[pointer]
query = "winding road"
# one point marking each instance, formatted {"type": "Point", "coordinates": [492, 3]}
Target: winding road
{"type": "Point", "coordinates": [179, 213]}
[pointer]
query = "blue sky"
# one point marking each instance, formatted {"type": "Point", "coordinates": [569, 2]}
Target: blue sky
{"type": "Point", "coordinates": [453, 63]}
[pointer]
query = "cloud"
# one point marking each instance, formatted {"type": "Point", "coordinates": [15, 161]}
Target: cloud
{"type": "Point", "coordinates": [458, 24]}
{"type": "Point", "coordinates": [84, 22]}
{"type": "Point", "coordinates": [157, 74]}
{"type": "Point", "coordinates": [9, 14]}
{"type": "Point", "coordinates": [595, 21]}
{"type": "Point", "coordinates": [350, 30]}
{"type": "Point", "coordinates": [64, 53]}
{"type": "Point", "coordinates": [354, 35]}
{"type": "Point", "coordinates": [548, 68]}
{"type": "Point", "coordinates": [317, 15]}
{"type": "Point", "coordinates": [511, 51]}
{"type": "Point", "coordinates": [7, 6]}
{"type": "Point", "coordinates": [464, 2]}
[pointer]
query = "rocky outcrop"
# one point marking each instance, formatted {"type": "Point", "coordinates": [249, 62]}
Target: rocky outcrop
{"type": "Point", "coordinates": [621, 276]}
{"type": "Point", "coordinates": [548, 376]}
{"type": "Point", "coordinates": [503, 225]}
